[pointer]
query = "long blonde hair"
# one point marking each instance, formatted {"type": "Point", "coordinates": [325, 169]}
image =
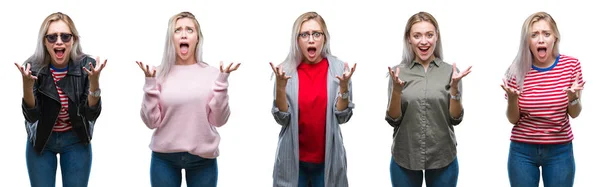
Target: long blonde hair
{"type": "Point", "coordinates": [524, 59]}
{"type": "Point", "coordinates": [169, 56]}
{"type": "Point", "coordinates": [294, 57]}
{"type": "Point", "coordinates": [408, 55]}
{"type": "Point", "coordinates": [41, 58]}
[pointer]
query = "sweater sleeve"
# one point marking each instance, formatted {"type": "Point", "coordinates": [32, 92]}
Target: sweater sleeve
{"type": "Point", "coordinates": [151, 110]}
{"type": "Point", "coordinates": [218, 105]}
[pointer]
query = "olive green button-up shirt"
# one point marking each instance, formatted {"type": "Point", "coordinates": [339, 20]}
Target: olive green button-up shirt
{"type": "Point", "coordinates": [424, 133]}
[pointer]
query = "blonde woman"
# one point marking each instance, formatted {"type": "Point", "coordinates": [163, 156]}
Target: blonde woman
{"type": "Point", "coordinates": [313, 96]}
{"type": "Point", "coordinates": [543, 90]}
{"type": "Point", "coordinates": [61, 103]}
{"type": "Point", "coordinates": [424, 106]}
{"type": "Point", "coordinates": [185, 100]}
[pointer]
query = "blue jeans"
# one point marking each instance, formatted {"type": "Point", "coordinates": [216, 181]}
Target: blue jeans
{"type": "Point", "coordinates": [556, 160]}
{"type": "Point", "coordinates": [165, 170]}
{"type": "Point", "coordinates": [442, 177]}
{"type": "Point", "coordinates": [75, 161]}
{"type": "Point", "coordinates": [311, 173]}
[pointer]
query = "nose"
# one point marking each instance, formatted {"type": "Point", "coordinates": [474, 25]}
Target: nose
{"type": "Point", "coordinates": [311, 39]}
{"type": "Point", "coordinates": [423, 41]}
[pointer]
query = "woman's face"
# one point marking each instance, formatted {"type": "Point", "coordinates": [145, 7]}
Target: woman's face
{"type": "Point", "coordinates": [185, 38]}
{"type": "Point", "coordinates": [423, 39]}
{"type": "Point", "coordinates": [541, 42]}
{"type": "Point", "coordinates": [311, 39]}
{"type": "Point", "coordinates": [58, 41]}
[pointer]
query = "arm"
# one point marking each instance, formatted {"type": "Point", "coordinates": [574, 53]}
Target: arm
{"type": "Point", "coordinates": [280, 106]}
{"type": "Point", "coordinates": [394, 111]}
{"type": "Point", "coordinates": [574, 110]}
{"type": "Point", "coordinates": [151, 110]}
{"type": "Point", "coordinates": [456, 108]}
{"type": "Point", "coordinates": [218, 105]}
{"type": "Point", "coordinates": [343, 107]}
{"type": "Point", "coordinates": [512, 111]}
{"type": "Point", "coordinates": [574, 94]}
{"type": "Point", "coordinates": [91, 106]}
{"type": "Point", "coordinates": [29, 104]}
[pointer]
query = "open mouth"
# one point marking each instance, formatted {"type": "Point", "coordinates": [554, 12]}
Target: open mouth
{"type": "Point", "coordinates": [541, 51]}
{"type": "Point", "coordinates": [184, 47]}
{"type": "Point", "coordinates": [312, 51]}
{"type": "Point", "coordinates": [60, 52]}
{"type": "Point", "coordinates": [424, 49]}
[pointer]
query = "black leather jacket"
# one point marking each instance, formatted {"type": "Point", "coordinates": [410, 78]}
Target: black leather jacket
{"type": "Point", "coordinates": [40, 120]}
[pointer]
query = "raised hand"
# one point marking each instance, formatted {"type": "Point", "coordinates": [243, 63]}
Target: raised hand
{"type": "Point", "coordinates": [398, 84]}
{"type": "Point", "coordinates": [94, 72]}
{"type": "Point", "coordinates": [28, 78]}
{"type": "Point", "coordinates": [146, 68]}
{"type": "Point", "coordinates": [456, 76]}
{"type": "Point", "coordinates": [345, 78]}
{"type": "Point", "coordinates": [280, 74]}
{"type": "Point", "coordinates": [510, 92]}
{"type": "Point", "coordinates": [228, 69]}
{"type": "Point", "coordinates": [574, 91]}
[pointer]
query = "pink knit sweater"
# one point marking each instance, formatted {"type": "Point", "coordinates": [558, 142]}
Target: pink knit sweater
{"type": "Point", "coordinates": [185, 109]}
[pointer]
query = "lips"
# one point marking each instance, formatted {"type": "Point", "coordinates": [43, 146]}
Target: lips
{"type": "Point", "coordinates": [60, 52]}
{"type": "Point", "coordinates": [184, 47]}
{"type": "Point", "coordinates": [542, 52]}
{"type": "Point", "coordinates": [312, 51]}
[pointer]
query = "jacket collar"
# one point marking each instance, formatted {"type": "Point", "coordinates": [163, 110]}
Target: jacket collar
{"type": "Point", "coordinates": [74, 69]}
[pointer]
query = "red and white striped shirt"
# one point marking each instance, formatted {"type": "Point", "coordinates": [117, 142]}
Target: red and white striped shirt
{"type": "Point", "coordinates": [543, 103]}
{"type": "Point", "coordinates": [62, 122]}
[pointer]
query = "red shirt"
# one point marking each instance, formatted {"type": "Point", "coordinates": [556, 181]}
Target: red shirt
{"type": "Point", "coordinates": [62, 122]}
{"type": "Point", "coordinates": [312, 110]}
{"type": "Point", "coordinates": [543, 104]}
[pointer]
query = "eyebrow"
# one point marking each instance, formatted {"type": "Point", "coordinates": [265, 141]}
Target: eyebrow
{"type": "Point", "coordinates": [312, 31]}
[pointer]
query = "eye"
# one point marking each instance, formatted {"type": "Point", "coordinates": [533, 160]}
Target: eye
{"type": "Point", "coordinates": [177, 30]}
{"type": "Point", "coordinates": [303, 35]}
{"type": "Point", "coordinates": [534, 35]}
{"type": "Point", "coordinates": [189, 30]}
{"type": "Point", "coordinates": [430, 35]}
{"type": "Point", "coordinates": [416, 36]}
{"type": "Point", "coordinates": [547, 34]}
{"type": "Point", "coordinates": [317, 34]}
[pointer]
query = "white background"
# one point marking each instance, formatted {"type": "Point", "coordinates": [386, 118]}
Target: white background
{"type": "Point", "coordinates": [480, 33]}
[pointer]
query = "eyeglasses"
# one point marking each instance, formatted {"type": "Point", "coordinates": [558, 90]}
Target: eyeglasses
{"type": "Point", "coordinates": [64, 37]}
{"type": "Point", "coordinates": [315, 35]}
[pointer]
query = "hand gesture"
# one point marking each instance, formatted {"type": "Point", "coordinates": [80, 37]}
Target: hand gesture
{"type": "Point", "coordinates": [456, 77]}
{"type": "Point", "coordinates": [398, 84]}
{"type": "Point", "coordinates": [94, 72]}
{"type": "Point", "coordinates": [510, 92]}
{"type": "Point", "coordinates": [574, 91]}
{"type": "Point", "coordinates": [147, 71]}
{"type": "Point", "coordinates": [280, 74]}
{"type": "Point", "coordinates": [28, 78]}
{"type": "Point", "coordinates": [228, 69]}
{"type": "Point", "coordinates": [345, 78]}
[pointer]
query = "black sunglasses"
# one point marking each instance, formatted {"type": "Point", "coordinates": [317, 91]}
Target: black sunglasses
{"type": "Point", "coordinates": [52, 38]}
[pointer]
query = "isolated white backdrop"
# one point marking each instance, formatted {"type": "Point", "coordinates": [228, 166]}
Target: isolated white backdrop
{"type": "Point", "coordinates": [480, 33]}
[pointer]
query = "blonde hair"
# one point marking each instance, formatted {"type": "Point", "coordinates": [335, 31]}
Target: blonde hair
{"type": "Point", "coordinates": [408, 55]}
{"type": "Point", "coordinates": [524, 59]}
{"type": "Point", "coordinates": [41, 58]}
{"type": "Point", "coordinates": [169, 56]}
{"type": "Point", "coordinates": [295, 55]}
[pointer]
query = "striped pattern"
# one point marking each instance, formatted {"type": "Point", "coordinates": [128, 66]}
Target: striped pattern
{"type": "Point", "coordinates": [62, 122]}
{"type": "Point", "coordinates": [543, 103]}
{"type": "Point", "coordinates": [286, 169]}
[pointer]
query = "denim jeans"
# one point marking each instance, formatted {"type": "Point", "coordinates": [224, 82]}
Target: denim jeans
{"type": "Point", "coordinates": [311, 173]}
{"type": "Point", "coordinates": [556, 160]}
{"type": "Point", "coordinates": [442, 177]}
{"type": "Point", "coordinates": [75, 161]}
{"type": "Point", "coordinates": [165, 170]}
